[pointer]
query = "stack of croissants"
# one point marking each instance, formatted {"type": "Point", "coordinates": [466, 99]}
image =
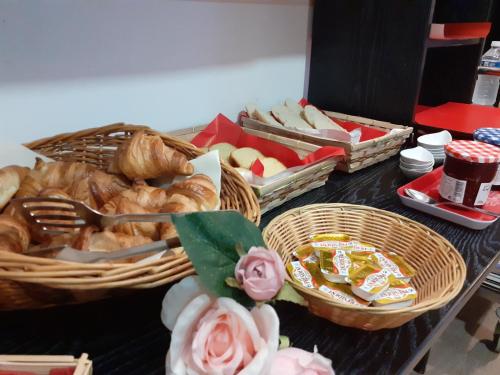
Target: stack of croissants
{"type": "Point", "coordinates": [122, 189]}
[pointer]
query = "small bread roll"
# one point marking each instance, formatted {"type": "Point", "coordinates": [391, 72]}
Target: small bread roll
{"type": "Point", "coordinates": [319, 120]}
{"type": "Point", "coordinates": [294, 106]}
{"type": "Point", "coordinates": [289, 118]}
{"type": "Point", "coordinates": [272, 167]}
{"type": "Point", "coordinates": [245, 156]}
{"type": "Point", "coordinates": [265, 117]}
{"type": "Point", "coordinates": [224, 149]}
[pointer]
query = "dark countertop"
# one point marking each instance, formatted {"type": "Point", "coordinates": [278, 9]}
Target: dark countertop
{"type": "Point", "coordinates": [125, 336]}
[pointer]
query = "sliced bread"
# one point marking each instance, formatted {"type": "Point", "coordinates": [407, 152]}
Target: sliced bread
{"type": "Point", "coordinates": [224, 149]}
{"type": "Point", "coordinates": [265, 117]}
{"type": "Point", "coordinates": [294, 106]}
{"type": "Point", "coordinates": [251, 108]}
{"type": "Point", "coordinates": [272, 167]}
{"type": "Point", "coordinates": [244, 157]}
{"type": "Point", "coordinates": [319, 120]}
{"type": "Point", "coordinates": [289, 118]}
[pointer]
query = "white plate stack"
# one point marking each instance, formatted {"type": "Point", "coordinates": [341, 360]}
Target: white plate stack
{"type": "Point", "coordinates": [434, 143]}
{"type": "Point", "coordinates": [415, 162]}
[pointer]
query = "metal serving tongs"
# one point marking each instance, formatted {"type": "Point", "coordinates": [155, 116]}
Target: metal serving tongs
{"type": "Point", "coordinates": [56, 216]}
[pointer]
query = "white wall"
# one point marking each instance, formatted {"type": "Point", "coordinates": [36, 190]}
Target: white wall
{"type": "Point", "coordinates": [68, 65]}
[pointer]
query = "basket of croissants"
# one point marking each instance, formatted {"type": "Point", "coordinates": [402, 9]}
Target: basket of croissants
{"type": "Point", "coordinates": [109, 169]}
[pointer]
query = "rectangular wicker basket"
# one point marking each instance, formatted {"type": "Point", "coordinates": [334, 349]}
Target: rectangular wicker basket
{"type": "Point", "coordinates": [42, 364]}
{"type": "Point", "coordinates": [358, 156]}
{"type": "Point", "coordinates": [278, 192]}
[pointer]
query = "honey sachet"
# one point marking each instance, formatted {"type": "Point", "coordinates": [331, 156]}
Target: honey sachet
{"type": "Point", "coordinates": [395, 263]}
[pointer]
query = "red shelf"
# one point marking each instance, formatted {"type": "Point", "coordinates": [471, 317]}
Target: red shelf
{"type": "Point", "coordinates": [459, 117]}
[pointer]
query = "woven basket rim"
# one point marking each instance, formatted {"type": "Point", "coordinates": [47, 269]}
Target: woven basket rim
{"type": "Point", "coordinates": [421, 307]}
{"type": "Point", "coordinates": [46, 265]}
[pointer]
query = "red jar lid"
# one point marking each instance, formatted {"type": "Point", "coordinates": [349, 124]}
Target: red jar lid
{"type": "Point", "coordinates": [475, 152]}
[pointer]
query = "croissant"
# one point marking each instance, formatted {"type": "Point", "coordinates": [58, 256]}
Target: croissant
{"type": "Point", "coordinates": [197, 193]}
{"type": "Point", "coordinates": [107, 241]}
{"type": "Point", "coordinates": [149, 197]}
{"type": "Point", "coordinates": [10, 181]}
{"type": "Point", "coordinates": [146, 156]}
{"type": "Point", "coordinates": [14, 235]}
{"type": "Point", "coordinates": [123, 205]}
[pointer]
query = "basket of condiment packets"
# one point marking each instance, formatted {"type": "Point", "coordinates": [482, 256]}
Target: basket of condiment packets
{"type": "Point", "coordinates": [365, 141]}
{"type": "Point", "coordinates": [113, 170]}
{"type": "Point", "coordinates": [363, 267]}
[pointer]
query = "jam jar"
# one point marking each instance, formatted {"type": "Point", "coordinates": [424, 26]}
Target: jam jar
{"type": "Point", "coordinates": [491, 136]}
{"type": "Point", "coordinates": [468, 172]}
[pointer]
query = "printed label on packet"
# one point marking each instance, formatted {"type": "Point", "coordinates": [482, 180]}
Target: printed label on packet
{"type": "Point", "coordinates": [452, 189]}
{"type": "Point", "coordinates": [375, 280]}
{"type": "Point", "coordinates": [343, 245]}
{"type": "Point", "coordinates": [397, 294]}
{"type": "Point", "coordinates": [390, 265]}
{"type": "Point", "coordinates": [341, 297]}
{"type": "Point", "coordinates": [301, 274]}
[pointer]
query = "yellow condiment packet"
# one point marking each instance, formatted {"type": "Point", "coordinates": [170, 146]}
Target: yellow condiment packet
{"type": "Point", "coordinates": [330, 237]}
{"type": "Point", "coordinates": [299, 273]}
{"type": "Point", "coordinates": [342, 293]}
{"type": "Point", "coordinates": [303, 251]}
{"type": "Point", "coordinates": [400, 294]}
{"type": "Point", "coordinates": [395, 263]}
{"type": "Point", "coordinates": [369, 280]}
{"type": "Point", "coordinates": [335, 265]}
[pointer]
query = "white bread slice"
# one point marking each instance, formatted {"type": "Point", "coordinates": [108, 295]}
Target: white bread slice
{"type": "Point", "coordinates": [289, 118]}
{"type": "Point", "coordinates": [319, 120]}
{"type": "Point", "coordinates": [265, 117]}
{"type": "Point", "coordinates": [272, 167]}
{"type": "Point", "coordinates": [225, 150]}
{"type": "Point", "coordinates": [251, 108]}
{"type": "Point", "coordinates": [294, 106]}
{"type": "Point", "coordinates": [244, 157]}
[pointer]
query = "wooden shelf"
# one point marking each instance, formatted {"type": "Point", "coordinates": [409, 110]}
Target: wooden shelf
{"type": "Point", "coordinates": [439, 43]}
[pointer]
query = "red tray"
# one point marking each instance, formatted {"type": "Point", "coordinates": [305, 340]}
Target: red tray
{"type": "Point", "coordinates": [429, 184]}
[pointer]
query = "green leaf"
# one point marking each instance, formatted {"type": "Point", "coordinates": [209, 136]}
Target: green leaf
{"type": "Point", "coordinates": [232, 282]}
{"type": "Point", "coordinates": [288, 293]}
{"type": "Point", "coordinates": [284, 342]}
{"type": "Point", "coordinates": [211, 240]}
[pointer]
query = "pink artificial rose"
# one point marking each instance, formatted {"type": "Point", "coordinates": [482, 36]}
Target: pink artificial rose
{"type": "Point", "coordinates": [217, 336]}
{"type": "Point", "coordinates": [261, 273]}
{"type": "Point", "coordinates": [293, 361]}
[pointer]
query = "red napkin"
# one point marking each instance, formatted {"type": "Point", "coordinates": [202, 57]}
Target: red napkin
{"type": "Point", "coordinates": [367, 133]}
{"type": "Point", "coordinates": [221, 129]}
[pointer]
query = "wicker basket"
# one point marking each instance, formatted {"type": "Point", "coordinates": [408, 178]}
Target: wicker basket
{"type": "Point", "coordinates": [358, 156]}
{"type": "Point", "coordinates": [42, 364]}
{"type": "Point", "coordinates": [31, 282]}
{"type": "Point", "coordinates": [440, 268]}
{"type": "Point", "coordinates": [278, 192]}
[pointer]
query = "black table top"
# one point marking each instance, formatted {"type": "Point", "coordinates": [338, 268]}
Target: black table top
{"type": "Point", "coordinates": [125, 336]}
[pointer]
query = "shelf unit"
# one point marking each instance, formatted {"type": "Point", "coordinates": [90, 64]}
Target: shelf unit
{"type": "Point", "coordinates": [376, 59]}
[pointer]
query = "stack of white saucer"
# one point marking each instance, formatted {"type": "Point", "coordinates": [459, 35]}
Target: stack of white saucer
{"type": "Point", "coordinates": [415, 162]}
{"type": "Point", "coordinates": [434, 143]}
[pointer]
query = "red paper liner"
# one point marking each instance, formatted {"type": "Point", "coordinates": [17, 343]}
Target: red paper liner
{"type": "Point", "coordinates": [221, 129]}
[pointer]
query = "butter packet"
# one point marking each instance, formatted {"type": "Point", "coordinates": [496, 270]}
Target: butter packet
{"type": "Point", "coordinates": [303, 251]}
{"type": "Point", "coordinates": [330, 237]}
{"type": "Point", "coordinates": [400, 294]}
{"type": "Point", "coordinates": [396, 264]}
{"type": "Point", "coordinates": [350, 246]}
{"type": "Point", "coordinates": [369, 281]}
{"type": "Point", "coordinates": [335, 265]}
{"type": "Point", "coordinates": [341, 293]}
{"type": "Point", "coordinates": [301, 274]}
